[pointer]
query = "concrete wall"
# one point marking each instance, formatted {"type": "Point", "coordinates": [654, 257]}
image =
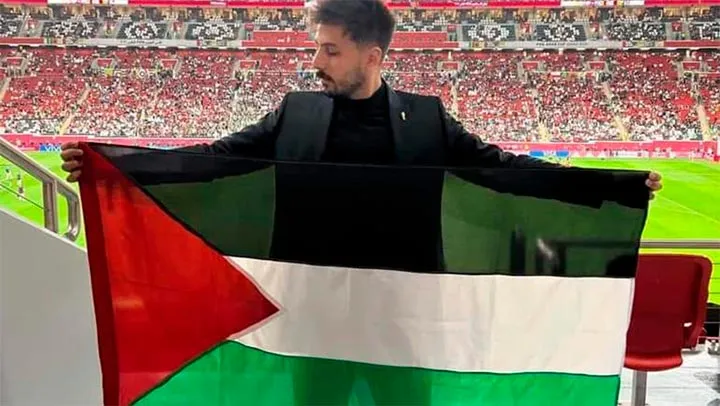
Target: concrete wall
{"type": "Point", "coordinates": [48, 344]}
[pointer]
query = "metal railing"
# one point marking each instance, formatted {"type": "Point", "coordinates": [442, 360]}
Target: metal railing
{"type": "Point", "coordinates": [52, 185]}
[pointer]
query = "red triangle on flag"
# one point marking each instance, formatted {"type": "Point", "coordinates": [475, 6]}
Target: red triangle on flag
{"type": "Point", "coordinates": [162, 296]}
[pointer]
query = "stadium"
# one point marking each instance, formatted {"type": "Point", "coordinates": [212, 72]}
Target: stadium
{"type": "Point", "coordinates": [617, 84]}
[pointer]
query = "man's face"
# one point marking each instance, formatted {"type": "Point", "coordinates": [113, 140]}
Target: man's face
{"type": "Point", "coordinates": [341, 64]}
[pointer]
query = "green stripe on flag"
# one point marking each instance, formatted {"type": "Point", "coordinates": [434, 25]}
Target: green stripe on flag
{"type": "Point", "coordinates": [234, 374]}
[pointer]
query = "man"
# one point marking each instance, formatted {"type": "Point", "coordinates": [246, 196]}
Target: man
{"type": "Point", "coordinates": [357, 119]}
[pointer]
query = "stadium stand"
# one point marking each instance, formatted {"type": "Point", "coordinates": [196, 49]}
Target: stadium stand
{"type": "Point", "coordinates": [493, 93]}
{"type": "Point", "coordinates": [212, 30]}
{"type": "Point", "coordinates": [490, 32]}
{"type": "Point", "coordinates": [705, 25]}
{"type": "Point", "coordinates": [705, 30]}
{"type": "Point", "coordinates": [560, 32]}
{"type": "Point", "coordinates": [649, 90]}
{"type": "Point", "coordinates": [70, 28]}
{"type": "Point", "coordinates": [498, 94]}
{"type": "Point", "coordinates": [9, 26]}
{"type": "Point", "coordinates": [575, 95]}
{"type": "Point", "coordinates": [142, 30]}
{"type": "Point", "coordinates": [634, 26]}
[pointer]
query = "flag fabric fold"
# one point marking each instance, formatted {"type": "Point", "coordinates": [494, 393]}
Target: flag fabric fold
{"type": "Point", "coordinates": [223, 280]}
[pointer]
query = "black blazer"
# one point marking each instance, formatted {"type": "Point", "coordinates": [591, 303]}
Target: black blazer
{"type": "Point", "coordinates": [394, 219]}
{"type": "Point", "coordinates": [424, 134]}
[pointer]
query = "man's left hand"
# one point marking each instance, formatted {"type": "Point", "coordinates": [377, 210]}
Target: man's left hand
{"type": "Point", "coordinates": [654, 183]}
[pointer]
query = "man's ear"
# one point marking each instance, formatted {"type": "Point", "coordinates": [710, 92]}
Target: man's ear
{"type": "Point", "coordinates": [375, 56]}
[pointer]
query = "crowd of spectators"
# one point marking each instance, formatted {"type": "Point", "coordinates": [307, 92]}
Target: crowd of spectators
{"type": "Point", "coordinates": [497, 95]}
{"type": "Point", "coordinates": [560, 32]}
{"type": "Point", "coordinates": [423, 20]}
{"type": "Point", "coordinates": [574, 108]}
{"type": "Point", "coordinates": [661, 105]}
{"type": "Point", "coordinates": [39, 104]}
{"type": "Point", "coordinates": [274, 20]}
{"type": "Point", "coordinates": [211, 30]}
{"type": "Point", "coordinates": [492, 100]}
{"type": "Point", "coordinates": [635, 25]}
{"type": "Point", "coordinates": [709, 90]}
{"type": "Point", "coordinates": [142, 30]}
{"type": "Point", "coordinates": [706, 30]}
{"type": "Point", "coordinates": [76, 27]}
{"type": "Point", "coordinates": [199, 108]}
{"type": "Point", "coordinates": [492, 32]}
{"type": "Point", "coordinates": [9, 26]}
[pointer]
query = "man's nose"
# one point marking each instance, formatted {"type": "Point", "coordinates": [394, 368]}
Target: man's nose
{"type": "Point", "coordinates": [318, 62]}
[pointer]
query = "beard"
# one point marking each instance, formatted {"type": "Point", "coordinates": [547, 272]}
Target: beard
{"type": "Point", "coordinates": [345, 87]}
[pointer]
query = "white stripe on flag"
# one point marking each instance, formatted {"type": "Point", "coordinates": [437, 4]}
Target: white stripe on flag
{"type": "Point", "coordinates": [489, 323]}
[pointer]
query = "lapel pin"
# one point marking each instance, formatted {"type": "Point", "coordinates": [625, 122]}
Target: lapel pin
{"type": "Point", "coordinates": [402, 114]}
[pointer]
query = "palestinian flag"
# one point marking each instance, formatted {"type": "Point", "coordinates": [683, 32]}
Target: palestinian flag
{"type": "Point", "coordinates": [219, 280]}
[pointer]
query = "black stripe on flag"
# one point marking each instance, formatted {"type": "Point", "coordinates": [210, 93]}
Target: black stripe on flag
{"type": "Point", "coordinates": [562, 222]}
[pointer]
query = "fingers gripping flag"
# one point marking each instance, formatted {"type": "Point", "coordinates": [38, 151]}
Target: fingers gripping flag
{"type": "Point", "coordinates": [221, 280]}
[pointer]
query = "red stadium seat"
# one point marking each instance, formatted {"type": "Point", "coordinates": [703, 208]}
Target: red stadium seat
{"type": "Point", "coordinates": [668, 314]}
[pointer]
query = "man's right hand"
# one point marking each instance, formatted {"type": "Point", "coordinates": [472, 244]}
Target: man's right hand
{"type": "Point", "coordinates": [71, 154]}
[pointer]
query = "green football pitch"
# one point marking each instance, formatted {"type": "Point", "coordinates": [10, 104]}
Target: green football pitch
{"type": "Point", "coordinates": [687, 208]}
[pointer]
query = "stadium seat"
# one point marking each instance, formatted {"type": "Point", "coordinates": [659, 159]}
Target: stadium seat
{"type": "Point", "coordinates": [668, 314]}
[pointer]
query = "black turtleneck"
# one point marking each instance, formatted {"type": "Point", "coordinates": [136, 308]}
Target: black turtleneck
{"type": "Point", "coordinates": [360, 131]}
{"type": "Point", "coordinates": [354, 216]}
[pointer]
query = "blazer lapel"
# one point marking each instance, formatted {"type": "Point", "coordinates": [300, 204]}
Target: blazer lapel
{"type": "Point", "coordinates": [311, 144]}
{"type": "Point", "coordinates": [399, 122]}
{"type": "Point", "coordinates": [322, 113]}
{"type": "Point", "coordinates": [306, 120]}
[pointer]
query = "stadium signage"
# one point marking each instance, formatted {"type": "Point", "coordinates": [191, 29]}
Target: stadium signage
{"type": "Point", "coordinates": [561, 44]}
{"type": "Point", "coordinates": [115, 42]}
{"type": "Point", "coordinates": [142, 42]}
{"type": "Point", "coordinates": [557, 44]}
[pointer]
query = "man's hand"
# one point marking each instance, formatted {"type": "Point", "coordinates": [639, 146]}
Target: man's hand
{"type": "Point", "coordinates": [654, 183]}
{"type": "Point", "coordinates": [71, 154]}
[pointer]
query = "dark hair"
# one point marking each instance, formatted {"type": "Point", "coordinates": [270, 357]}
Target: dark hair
{"type": "Point", "coordinates": [365, 21]}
